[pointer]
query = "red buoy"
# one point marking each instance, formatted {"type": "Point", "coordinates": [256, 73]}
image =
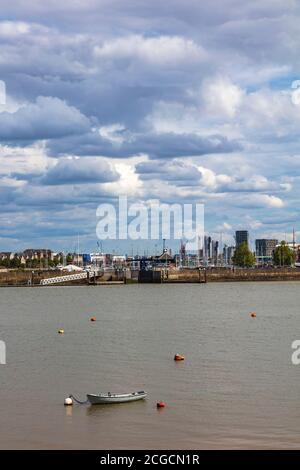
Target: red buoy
{"type": "Point", "coordinates": [178, 357]}
{"type": "Point", "coordinates": [93, 318]}
{"type": "Point", "coordinates": [160, 404]}
{"type": "Point", "coordinates": [253, 315]}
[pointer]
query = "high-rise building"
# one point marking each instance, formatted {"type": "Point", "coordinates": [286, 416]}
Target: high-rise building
{"type": "Point", "coordinates": [264, 249]}
{"type": "Point", "coordinates": [215, 251]}
{"type": "Point", "coordinates": [182, 253]}
{"type": "Point", "coordinates": [207, 247]}
{"type": "Point", "coordinates": [241, 236]}
{"type": "Point", "coordinates": [228, 252]}
{"type": "Point", "coordinates": [210, 251]}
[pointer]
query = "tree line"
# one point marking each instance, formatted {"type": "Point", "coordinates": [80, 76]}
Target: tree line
{"type": "Point", "coordinates": [283, 255]}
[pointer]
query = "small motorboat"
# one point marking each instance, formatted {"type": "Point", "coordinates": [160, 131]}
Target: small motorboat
{"type": "Point", "coordinates": [110, 398]}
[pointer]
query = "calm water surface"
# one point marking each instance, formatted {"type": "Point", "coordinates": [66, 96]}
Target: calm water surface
{"type": "Point", "coordinates": [237, 387]}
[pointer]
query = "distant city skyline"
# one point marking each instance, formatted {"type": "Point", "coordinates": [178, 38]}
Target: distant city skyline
{"type": "Point", "coordinates": [151, 247]}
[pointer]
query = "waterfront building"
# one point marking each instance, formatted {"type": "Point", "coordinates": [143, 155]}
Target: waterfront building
{"type": "Point", "coordinates": [100, 260]}
{"type": "Point", "coordinates": [7, 255]}
{"type": "Point", "coordinates": [38, 254]}
{"type": "Point", "coordinates": [215, 252]}
{"type": "Point", "coordinates": [210, 251]}
{"type": "Point", "coordinates": [264, 249]}
{"type": "Point", "coordinates": [86, 259]}
{"type": "Point", "coordinates": [228, 252]}
{"type": "Point", "coordinates": [182, 254]}
{"type": "Point", "coordinates": [165, 259]}
{"type": "Point", "coordinates": [119, 261]}
{"type": "Point", "coordinates": [207, 248]}
{"type": "Point", "coordinates": [22, 259]}
{"type": "Point", "coordinates": [241, 236]}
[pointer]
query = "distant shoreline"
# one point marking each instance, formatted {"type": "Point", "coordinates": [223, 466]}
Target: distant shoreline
{"type": "Point", "coordinates": [15, 278]}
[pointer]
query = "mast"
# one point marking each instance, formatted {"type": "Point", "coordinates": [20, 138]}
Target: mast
{"type": "Point", "coordinates": [294, 243]}
{"type": "Point", "coordinates": [78, 249]}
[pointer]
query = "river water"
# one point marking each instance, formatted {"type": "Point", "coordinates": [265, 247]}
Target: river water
{"type": "Point", "coordinates": [237, 387]}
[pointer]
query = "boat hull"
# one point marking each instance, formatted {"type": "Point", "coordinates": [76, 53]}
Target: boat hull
{"type": "Point", "coordinates": [108, 399]}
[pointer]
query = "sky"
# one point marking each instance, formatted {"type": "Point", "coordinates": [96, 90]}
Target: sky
{"type": "Point", "coordinates": [178, 101]}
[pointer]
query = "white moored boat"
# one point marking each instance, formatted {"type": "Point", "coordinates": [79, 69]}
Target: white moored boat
{"type": "Point", "coordinates": [109, 398]}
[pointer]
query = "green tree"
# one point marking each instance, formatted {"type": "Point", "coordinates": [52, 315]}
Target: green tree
{"type": "Point", "coordinates": [15, 262]}
{"type": "Point", "coordinates": [5, 262]}
{"type": "Point", "coordinates": [243, 256]}
{"type": "Point", "coordinates": [283, 255]}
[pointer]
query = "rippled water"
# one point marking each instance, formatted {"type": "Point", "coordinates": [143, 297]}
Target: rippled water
{"type": "Point", "coordinates": [237, 387]}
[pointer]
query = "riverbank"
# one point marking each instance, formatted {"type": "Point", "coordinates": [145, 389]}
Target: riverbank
{"type": "Point", "coordinates": [23, 278]}
{"type": "Point", "coordinates": [235, 275]}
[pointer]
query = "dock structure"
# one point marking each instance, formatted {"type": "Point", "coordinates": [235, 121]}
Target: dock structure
{"type": "Point", "coordinates": [150, 276]}
{"type": "Point", "coordinates": [59, 279]}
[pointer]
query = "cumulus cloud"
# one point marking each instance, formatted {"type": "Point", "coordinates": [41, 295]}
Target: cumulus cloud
{"type": "Point", "coordinates": [272, 201]}
{"type": "Point", "coordinates": [176, 171]}
{"type": "Point", "coordinates": [261, 201]}
{"type": "Point", "coordinates": [155, 145]}
{"type": "Point", "coordinates": [162, 50]}
{"type": "Point", "coordinates": [20, 162]}
{"type": "Point", "coordinates": [221, 96]}
{"type": "Point", "coordinates": [190, 174]}
{"type": "Point", "coordinates": [47, 118]}
{"type": "Point", "coordinates": [78, 170]}
{"type": "Point", "coordinates": [13, 28]}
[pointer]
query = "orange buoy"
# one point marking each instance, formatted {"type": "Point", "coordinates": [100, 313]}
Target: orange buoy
{"type": "Point", "coordinates": [178, 357]}
{"type": "Point", "coordinates": [160, 404]}
{"type": "Point", "coordinates": [93, 318]}
{"type": "Point", "coordinates": [253, 315]}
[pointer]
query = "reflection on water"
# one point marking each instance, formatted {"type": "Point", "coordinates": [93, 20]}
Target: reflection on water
{"type": "Point", "coordinates": [107, 409]}
{"type": "Point", "coordinates": [236, 388]}
{"type": "Point", "coordinates": [69, 410]}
